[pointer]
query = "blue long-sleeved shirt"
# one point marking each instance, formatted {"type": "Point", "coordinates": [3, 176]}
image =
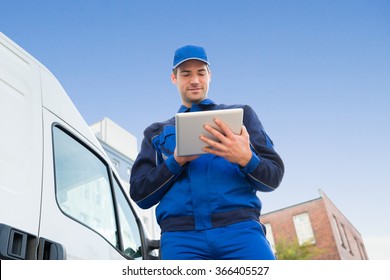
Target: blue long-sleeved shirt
{"type": "Point", "coordinates": [209, 191]}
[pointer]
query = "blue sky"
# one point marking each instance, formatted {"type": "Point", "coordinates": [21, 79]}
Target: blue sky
{"type": "Point", "coordinates": [316, 72]}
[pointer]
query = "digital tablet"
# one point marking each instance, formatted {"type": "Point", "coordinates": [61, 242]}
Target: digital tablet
{"type": "Point", "coordinates": [189, 126]}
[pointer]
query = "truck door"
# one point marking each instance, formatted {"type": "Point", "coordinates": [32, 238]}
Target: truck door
{"type": "Point", "coordinates": [80, 207]}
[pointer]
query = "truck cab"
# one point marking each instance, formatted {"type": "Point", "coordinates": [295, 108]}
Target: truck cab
{"type": "Point", "coordinates": [60, 196]}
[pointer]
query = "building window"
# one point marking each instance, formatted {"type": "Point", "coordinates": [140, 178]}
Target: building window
{"type": "Point", "coordinates": [270, 236]}
{"type": "Point", "coordinates": [346, 238]}
{"type": "Point", "coordinates": [303, 229]}
{"type": "Point", "coordinates": [336, 226]}
{"type": "Point", "coordinates": [359, 248]}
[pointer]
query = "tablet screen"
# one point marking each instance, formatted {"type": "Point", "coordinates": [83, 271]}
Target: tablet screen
{"type": "Point", "coordinates": [189, 126]}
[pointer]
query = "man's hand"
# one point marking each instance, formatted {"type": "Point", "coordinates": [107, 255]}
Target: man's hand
{"type": "Point", "coordinates": [183, 160]}
{"type": "Point", "coordinates": [232, 147]}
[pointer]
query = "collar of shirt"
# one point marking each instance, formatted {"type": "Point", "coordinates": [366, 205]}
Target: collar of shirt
{"type": "Point", "coordinates": [196, 107]}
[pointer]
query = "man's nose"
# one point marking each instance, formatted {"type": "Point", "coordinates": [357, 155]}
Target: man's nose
{"type": "Point", "coordinates": [194, 79]}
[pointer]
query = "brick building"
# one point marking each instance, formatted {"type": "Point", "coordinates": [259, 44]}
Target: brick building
{"type": "Point", "coordinates": [319, 224]}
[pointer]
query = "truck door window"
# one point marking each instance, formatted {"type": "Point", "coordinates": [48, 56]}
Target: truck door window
{"type": "Point", "coordinates": [83, 189]}
{"type": "Point", "coordinates": [128, 225]}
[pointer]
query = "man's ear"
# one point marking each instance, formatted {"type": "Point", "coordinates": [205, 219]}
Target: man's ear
{"type": "Point", "coordinates": [173, 78]}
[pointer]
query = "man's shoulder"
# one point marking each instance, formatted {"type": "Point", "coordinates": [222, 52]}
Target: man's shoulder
{"type": "Point", "coordinates": [158, 127]}
{"type": "Point", "coordinates": [233, 106]}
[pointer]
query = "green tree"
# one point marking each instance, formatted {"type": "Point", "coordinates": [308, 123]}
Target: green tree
{"type": "Point", "coordinates": [291, 250]}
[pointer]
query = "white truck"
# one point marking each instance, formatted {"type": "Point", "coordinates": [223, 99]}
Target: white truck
{"type": "Point", "coordinates": [60, 196]}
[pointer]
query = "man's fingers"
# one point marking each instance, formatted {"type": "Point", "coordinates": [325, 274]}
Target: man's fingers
{"type": "Point", "coordinates": [214, 132]}
{"type": "Point", "coordinates": [224, 128]}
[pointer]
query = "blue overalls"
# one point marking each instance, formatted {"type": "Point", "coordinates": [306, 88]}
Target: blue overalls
{"type": "Point", "coordinates": [208, 208]}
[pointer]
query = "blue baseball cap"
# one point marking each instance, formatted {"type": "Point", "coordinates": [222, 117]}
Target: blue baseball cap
{"type": "Point", "coordinates": [189, 52]}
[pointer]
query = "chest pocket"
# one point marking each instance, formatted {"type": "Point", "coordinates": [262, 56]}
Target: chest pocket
{"type": "Point", "coordinates": [165, 143]}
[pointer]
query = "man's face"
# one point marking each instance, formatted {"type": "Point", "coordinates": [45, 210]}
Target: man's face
{"type": "Point", "coordinates": [192, 80]}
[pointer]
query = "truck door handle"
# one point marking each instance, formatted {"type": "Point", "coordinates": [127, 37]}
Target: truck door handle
{"type": "Point", "coordinates": [16, 244]}
{"type": "Point", "coordinates": [50, 250]}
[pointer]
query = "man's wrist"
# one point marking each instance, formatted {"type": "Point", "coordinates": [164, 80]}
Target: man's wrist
{"type": "Point", "coordinates": [252, 164]}
{"type": "Point", "coordinates": [173, 165]}
{"type": "Point", "coordinates": [245, 160]}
